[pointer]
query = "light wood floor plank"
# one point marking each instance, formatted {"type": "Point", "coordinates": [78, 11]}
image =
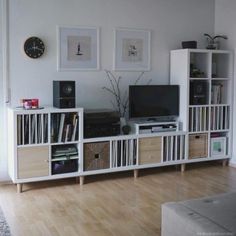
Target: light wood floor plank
{"type": "Point", "coordinates": [112, 204]}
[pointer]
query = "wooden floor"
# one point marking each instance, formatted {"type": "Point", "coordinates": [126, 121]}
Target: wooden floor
{"type": "Point", "coordinates": [109, 204]}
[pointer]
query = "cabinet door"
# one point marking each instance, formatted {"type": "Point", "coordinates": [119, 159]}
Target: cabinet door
{"type": "Point", "coordinates": [150, 150]}
{"type": "Point", "coordinates": [33, 162]}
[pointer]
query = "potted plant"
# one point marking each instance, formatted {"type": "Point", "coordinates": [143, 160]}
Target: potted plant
{"type": "Point", "coordinates": [213, 42]}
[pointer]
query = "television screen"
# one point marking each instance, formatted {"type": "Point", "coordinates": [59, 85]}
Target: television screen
{"type": "Point", "coordinates": [149, 101]}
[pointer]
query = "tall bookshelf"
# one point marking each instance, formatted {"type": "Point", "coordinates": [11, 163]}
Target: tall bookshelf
{"type": "Point", "coordinates": [205, 78]}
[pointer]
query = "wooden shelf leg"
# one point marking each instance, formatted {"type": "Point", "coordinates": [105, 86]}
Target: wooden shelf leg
{"type": "Point", "coordinates": [183, 167]}
{"type": "Point", "coordinates": [81, 180]}
{"type": "Point", "coordinates": [19, 188]}
{"type": "Point", "coordinates": [225, 163]}
{"type": "Point", "coordinates": [135, 174]}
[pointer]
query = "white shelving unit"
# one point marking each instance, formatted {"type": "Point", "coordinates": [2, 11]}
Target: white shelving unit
{"type": "Point", "coordinates": [37, 138]}
{"type": "Point", "coordinates": [139, 151]}
{"type": "Point", "coordinates": [34, 138]}
{"type": "Point", "coordinates": [210, 116]}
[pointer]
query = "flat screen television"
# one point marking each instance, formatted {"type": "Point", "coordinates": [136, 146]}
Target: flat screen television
{"type": "Point", "coordinates": [149, 102]}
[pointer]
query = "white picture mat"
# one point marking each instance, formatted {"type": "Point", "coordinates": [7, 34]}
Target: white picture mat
{"type": "Point", "coordinates": [220, 141]}
{"type": "Point", "coordinates": [88, 37]}
{"type": "Point", "coordinates": [139, 38]}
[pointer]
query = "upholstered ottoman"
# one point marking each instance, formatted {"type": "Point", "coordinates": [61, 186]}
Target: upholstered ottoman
{"type": "Point", "coordinates": [211, 216]}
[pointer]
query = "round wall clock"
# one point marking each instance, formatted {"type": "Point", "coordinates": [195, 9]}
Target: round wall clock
{"type": "Point", "coordinates": [34, 47]}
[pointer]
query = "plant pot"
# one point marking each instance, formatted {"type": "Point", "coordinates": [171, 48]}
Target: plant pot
{"type": "Point", "coordinates": [126, 129]}
{"type": "Point", "coordinates": [213, 46]}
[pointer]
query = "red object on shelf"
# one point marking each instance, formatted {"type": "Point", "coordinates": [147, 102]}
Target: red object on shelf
{"type": "Point", "coordinates": [35, 103]}
{"type": "Point", "coordinates": [30, 103]}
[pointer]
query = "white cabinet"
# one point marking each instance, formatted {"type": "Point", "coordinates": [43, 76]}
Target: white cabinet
{"type": "Point", "coordinates": [44, 144]}
{"type": "Point", "coordinates": [48, 143]}
{"type": "Point", "coordinates": [205, 78]}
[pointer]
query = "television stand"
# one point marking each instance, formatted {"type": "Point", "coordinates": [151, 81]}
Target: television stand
{"type": "Point", "coordinates": [148, 127]}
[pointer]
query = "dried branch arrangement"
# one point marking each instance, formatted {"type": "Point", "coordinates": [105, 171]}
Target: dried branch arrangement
{"type": "Point", "coordinates": [120, 100]}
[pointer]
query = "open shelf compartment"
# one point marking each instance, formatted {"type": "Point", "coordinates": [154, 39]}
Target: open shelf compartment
{"type": "Point", "coordinates": [198, 67]}
{"type": "Point", "coordinates": [64, 127]}
{"type": "Point", "coordinates": [64, 159]}
{"type": "Point", "coordinates": [220, 65]}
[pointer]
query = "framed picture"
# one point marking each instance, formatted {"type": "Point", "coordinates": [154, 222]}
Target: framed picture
{"type": "Point", "coordinates": [132, 50]}
{"type": "Point", "coordinates": [78, 48]}
{"type": "Point", "coordinates": [218, 146]}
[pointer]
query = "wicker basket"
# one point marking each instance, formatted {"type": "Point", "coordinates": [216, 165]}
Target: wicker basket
{"type": "Point", "coordinates": [96, 156]}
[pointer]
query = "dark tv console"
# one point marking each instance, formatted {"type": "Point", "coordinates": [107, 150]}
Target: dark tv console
{"type": "Point", "coordinates": [149, 127]}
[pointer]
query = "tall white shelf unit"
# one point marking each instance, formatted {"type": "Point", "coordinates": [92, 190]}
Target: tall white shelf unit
{"type": "Point", "coordinates": [211, 119]}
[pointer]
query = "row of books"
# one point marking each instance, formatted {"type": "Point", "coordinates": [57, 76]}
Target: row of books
{"type": "Point", "coordinates": [198, 119]}
{"type": "Point", "coordinates": [64, 151]}
{"type": "Point", "coordinates": [173, 148]}
{"type": "Point", "coordinates": [64, 127]}
{"type": "Point", "coordinates": [220, 117]}
{"type": "Point", "coordinates": [32, 129]}
{"type": "Point", "coordinates": [124, 153]}
{"type": "Point", "coordinates": [216, 93]}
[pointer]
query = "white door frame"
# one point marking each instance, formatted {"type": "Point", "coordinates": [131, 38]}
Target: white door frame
{"type": "Point", "coordinates": [4, 87]}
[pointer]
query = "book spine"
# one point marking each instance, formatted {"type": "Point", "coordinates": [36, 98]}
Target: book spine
{"type": "Point", "coordinates": [61, 127]}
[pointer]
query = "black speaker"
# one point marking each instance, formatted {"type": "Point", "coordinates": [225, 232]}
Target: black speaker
{"type": "Point", "coordinates": [64, 94]}
{"type": "Point", "coordinates": [198, 92]}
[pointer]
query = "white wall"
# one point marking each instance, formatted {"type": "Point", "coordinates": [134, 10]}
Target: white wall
{"type": "Point", "coordinates": [225, 19]}
{"type": "Point", "coordinates": [171, 21]}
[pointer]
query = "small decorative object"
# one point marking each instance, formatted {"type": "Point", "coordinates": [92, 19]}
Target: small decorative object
{"type": "Point", "coordinates": [34, 47]}
{"type": "Point", "coordinates": [78, 48]}
{"type": "Point", "coordinates": [27, 104]}
{"type": "Point", "coordinates": [218, 146]}
{"type": "Point", "coordinates": [121, 100]}
{"type": "Point", "coordinates": [195, 72]}
{"type": "Point", "coordinates": [213, 42]}
{"type": "Point", "coordinates": [35, 103]}
{"type": "Point", "coordinates": [32, 103]}
{"type": "Point", "coordinates": [132, 50]}
{"type": "Point", "coordinates": [189, 44]}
